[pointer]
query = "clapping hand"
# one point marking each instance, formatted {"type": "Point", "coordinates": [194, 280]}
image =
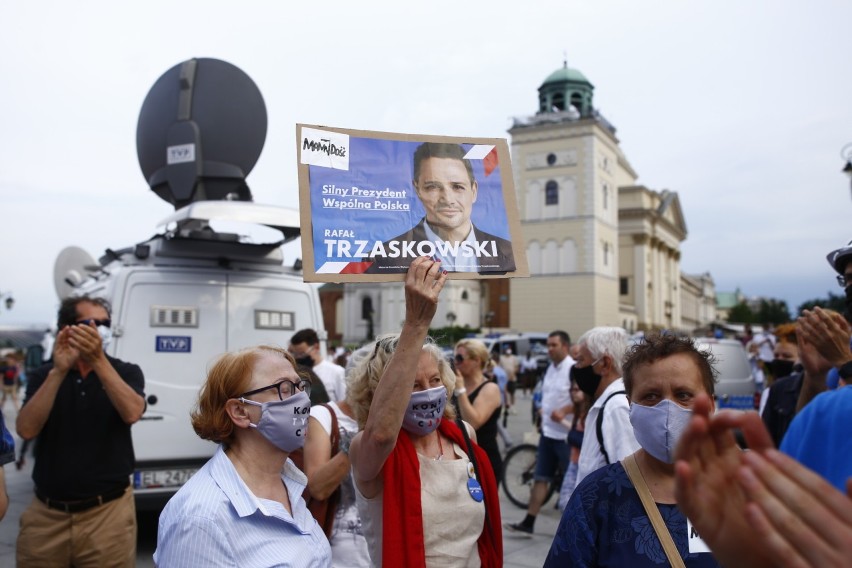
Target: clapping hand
{"type": "Point", "coordinates": [86, 340]}
{"type": "Point", "coordinates": [757, 508]}
{"type": "Point", "coordinates": [64, 354]}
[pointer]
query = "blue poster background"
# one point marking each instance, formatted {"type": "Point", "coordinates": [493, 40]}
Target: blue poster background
{"type": "Point", "coordinates": [388, 164]}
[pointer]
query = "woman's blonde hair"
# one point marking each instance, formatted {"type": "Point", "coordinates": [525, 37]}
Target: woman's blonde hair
{"type": "Point", "coordinates": [366, 373]}
{"type": "Point", "coordinates": [228, 378]}
{"type": "Point", "coordinates": [477, 349]}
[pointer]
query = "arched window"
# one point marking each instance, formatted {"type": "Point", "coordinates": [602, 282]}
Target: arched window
{"type": "Point", "coordinates": [568, 257]}
{"type": "Point", "coordinates": [534, 257]}
{"type": "Point", "coordinates": [558, 102]}
{"type": "Point", "coordinates": [464, 295]}
{"type": "Point", "coordinates": [550, 258]}
{"type": "Point", "coordinates": [551, 193]}
{"type": "Point", "coordinates": [367, 308]}
{"type": "Point", "coordinates": [577, 101]}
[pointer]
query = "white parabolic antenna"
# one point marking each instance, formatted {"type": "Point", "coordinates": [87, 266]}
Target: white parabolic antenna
{"type": "Point", "coordinates": [70, 270]}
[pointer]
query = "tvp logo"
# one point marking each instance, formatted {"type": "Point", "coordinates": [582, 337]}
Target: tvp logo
{"type": "Point", "coordinates": [174, 344]}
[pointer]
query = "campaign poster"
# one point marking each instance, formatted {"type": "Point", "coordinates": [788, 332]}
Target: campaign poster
{"type": "Point", "coordinates": [371, 202]}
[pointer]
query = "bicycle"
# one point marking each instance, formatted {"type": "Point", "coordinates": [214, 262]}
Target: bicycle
{"type": "Point", "coordinates": [519, 472]}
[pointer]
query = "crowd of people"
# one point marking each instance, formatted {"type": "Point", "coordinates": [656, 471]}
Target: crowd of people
{"type": "Point", "coordinates": [392, 458]}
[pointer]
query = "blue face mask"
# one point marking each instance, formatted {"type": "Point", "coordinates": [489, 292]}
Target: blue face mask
{"type": "Point", "coordinates": [658, 428]}
{"type": "Point", "coordinates": [284, 422]}
{"type": "Point", "coordinates": [425, 410]}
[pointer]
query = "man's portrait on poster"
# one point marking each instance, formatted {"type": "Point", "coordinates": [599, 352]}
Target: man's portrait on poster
{"type": "Point", "coordinates": [430, 199]}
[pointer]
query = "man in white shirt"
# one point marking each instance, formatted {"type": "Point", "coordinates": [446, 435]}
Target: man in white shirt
{"type": "Point", "coordinates": [608, 435]}
{"type": "Point", "coordinates": [553, 449]}
{"type": "Point", "coordinates": [765, 341]}
{"type": "Point", "coordinates": [305, 349]}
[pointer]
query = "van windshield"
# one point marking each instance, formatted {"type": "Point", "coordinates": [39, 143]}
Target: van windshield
{"type": "Point", "coordinates": [731, 361]}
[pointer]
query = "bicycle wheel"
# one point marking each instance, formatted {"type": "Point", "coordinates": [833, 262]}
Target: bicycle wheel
{"type": "Point", "coordinates": [518, 471]}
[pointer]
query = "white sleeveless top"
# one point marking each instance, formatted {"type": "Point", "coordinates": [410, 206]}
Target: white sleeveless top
{"type": "Point", "coordinates": [452, 520]}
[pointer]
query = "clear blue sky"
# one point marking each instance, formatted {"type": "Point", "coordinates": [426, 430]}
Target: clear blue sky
{"type": "Point", "coordinates": [740, 107]}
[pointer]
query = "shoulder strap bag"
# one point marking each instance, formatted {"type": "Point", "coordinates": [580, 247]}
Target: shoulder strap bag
{"type": "Point", "coordinates": [599, 425]}
{"type": "Point", "coordinates": [632, 469]}
{"type": "Point", "coordinates": [324, 510]}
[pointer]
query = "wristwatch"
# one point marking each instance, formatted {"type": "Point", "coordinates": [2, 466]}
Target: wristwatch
{"type": "Point", "coordinates": [845, 370]}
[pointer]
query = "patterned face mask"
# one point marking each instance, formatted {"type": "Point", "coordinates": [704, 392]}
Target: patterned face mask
{"type": "Point", "coordinates": [284, 422]}
{"type": "Point", "coordinates": [425, 410]}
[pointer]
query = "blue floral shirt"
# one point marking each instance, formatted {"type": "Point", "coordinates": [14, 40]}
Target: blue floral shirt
{"type": "Point", "coordinates": [7, 444]}
{"type": "Point", "coordinates": [605, 524]}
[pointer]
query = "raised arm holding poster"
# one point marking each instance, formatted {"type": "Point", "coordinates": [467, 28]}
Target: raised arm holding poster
{"type": "Point", "coordinates": [371, 202]}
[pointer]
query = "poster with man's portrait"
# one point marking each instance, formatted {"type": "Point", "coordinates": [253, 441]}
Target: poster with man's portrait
{"type": "Point", "coordinates": [371, 202]}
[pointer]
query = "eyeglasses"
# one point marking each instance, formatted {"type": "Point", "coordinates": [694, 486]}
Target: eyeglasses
{"type": "Point", "coordinates": [459, 359]}
{"type": "Point", "coordinates": [844, 280]}
{"type": "Point", "coordinates": [98, 323]}
{"type": "Point", "coordinates": [285, 388]}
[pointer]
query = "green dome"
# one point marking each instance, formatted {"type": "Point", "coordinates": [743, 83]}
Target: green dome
{"type": "Point", "coordinates": [565, 74]}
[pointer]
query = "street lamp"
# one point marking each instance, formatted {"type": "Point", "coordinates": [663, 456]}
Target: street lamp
{"type": "Point", "coordinates": [9, 300]}
{"type": "Point", "coordinates": [846, 154]}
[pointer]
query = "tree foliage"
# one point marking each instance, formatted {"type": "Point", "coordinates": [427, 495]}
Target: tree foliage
{"type": "Point", "coordinates": [449, 335]}
{"type": "Point", "coordinates": [773, 311]}
{"type": "Point", "coordinates": [741, 313]}
{"type": "Point", "coordinates": [834, 302]}
{"type": "Point", "coordinates": [766, 311]}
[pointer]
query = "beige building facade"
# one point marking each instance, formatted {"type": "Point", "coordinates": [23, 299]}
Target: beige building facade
{"type": "Point", "coordinates": [602, 250]}
{"type": "Point", "coordinates": [651, 228]}
{"type": "Point", "coordinates": [698, 302]}
{"type": "Point", "coordinates": [568, 167]}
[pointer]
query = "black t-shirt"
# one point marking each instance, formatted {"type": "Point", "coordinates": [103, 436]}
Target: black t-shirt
{"type": "Point", "coordinates": [781, 405]}
{"type": "Point", "coordinates": [85, 448]}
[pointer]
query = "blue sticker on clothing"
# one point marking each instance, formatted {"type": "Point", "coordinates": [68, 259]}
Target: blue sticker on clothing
{"type": "Point", "coordinates": [475, 490]}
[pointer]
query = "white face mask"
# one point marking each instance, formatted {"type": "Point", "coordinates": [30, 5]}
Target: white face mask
{"type": "Point", "coordinates": [106, 335]}
{"type": "Point", "coordinates": [425, 410]}
{"type": "Point", "coordinates": [658, 428]}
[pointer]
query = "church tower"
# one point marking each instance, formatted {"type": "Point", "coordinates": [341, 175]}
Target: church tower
{"type": "Point", "coordinates": [568, 168]}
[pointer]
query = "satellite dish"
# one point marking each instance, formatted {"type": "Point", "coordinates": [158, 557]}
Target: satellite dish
{"type": "Point", "coordinates": [71, 268]}
{"type": "Point", "coordinates": [200, 132]}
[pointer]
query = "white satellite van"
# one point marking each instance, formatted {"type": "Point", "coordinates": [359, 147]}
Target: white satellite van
{"type": "Point", "coordinates": [190, 293]}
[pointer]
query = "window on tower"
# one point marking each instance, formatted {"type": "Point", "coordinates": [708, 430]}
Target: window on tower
{"type": "Point", "coordinates": [577, 101]}
{"type": "Point", "coordinates": [551, 193]}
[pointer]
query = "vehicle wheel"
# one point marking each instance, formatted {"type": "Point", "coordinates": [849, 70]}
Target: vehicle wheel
{"type": "Point", "coordinates": [518, 471]}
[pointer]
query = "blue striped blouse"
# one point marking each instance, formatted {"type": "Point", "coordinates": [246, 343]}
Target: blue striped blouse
{"type": "Point", "coordinates": [215, 520]}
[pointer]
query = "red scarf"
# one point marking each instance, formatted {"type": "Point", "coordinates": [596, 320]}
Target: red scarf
{"type": "Point", "coordinates": [402, 533]}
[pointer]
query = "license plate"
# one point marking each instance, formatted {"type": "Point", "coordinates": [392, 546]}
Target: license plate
{"type": "Point", "coordinates": [156, 478]}
{"type": "Point", "coordinates": [737, 402]}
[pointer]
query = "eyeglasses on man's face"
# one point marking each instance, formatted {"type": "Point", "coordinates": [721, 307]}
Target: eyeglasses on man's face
{"type": "Point", "coordinates": [285, 388]}
{"type": "Point", "coordinates": [98, 322]}
{"type": "Point", "coordinates": [844, 280]}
